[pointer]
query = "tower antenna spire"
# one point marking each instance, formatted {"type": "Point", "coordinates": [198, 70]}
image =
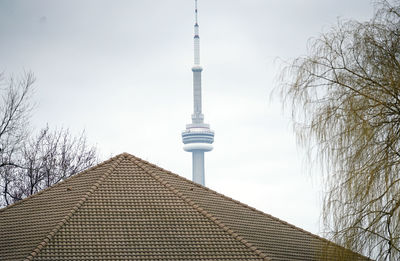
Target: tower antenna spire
{"type": "Point", "coordinates": [196, 37]}
{"type": "Point", "coordinates": [198, 137]}
{"type": "Point", "coordinates": [195, 10]}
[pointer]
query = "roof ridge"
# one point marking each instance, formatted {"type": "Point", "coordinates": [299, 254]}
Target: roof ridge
{"type": "Point", "coordinates": [61, 182]}
{"type": "Point", "coordinates": [142, 164]}
{"type": "Point", "coordinates": [52, 233]}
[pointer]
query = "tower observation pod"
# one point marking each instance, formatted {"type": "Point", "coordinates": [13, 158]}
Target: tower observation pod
{"type": "Point", "coordinates": [198, 137]}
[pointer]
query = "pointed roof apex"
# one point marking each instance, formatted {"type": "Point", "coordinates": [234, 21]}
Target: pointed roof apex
{"type": "Point", "coordinates": [137, 210]}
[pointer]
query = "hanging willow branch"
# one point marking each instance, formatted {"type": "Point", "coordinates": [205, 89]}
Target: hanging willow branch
{"type": "Point", "coordinates": [345, 102]}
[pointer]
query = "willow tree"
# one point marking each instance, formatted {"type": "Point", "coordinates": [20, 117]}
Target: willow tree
{"type": "Point", "coordinates": [345, 102]}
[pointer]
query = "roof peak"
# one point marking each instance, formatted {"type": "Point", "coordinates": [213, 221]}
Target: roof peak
{"type": "Point", "coordinates": [130, 198]}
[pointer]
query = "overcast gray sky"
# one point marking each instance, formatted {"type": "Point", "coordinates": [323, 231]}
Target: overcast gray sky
{"type": "Point", "coordinates": [121, 70]}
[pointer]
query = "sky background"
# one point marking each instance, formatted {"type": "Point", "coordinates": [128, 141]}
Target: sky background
{"type": "Point", "coordinates": [121, 71]}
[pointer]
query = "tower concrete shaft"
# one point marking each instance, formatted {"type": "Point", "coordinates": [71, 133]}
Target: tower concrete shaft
{"type": "Point", "coordinates": [197, 116]}
{"type": "Point", "coordinates": [198, 167]}
{"type": "Point", "coordinates": [198, 136]}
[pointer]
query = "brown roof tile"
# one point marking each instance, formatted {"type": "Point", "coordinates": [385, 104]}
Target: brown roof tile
{"type": "Point", "coordinates": [129, 209]}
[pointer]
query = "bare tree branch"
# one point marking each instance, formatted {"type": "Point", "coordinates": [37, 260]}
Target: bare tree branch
{"type": "Point", "coordinates": [30, 163]}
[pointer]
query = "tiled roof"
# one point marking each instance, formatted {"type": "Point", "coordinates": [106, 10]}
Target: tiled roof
{"type": "Point", "coordinates": [129, 209]}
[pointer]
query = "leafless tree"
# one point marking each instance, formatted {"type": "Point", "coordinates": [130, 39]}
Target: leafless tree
{"type": "Point", "coordinates": [46, 160]}
{"type": "Point", "coordinates": [15, 108]}
{"type": "Point", "coordinates": [30, 163]}
{"type": "Point", "coordinates": [345, 102]}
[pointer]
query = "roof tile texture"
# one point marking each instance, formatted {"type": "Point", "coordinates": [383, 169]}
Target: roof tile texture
{"type": "Point", "coordinates": [129, 209]}
{"type": "Point", "coordinates": [24, 225]}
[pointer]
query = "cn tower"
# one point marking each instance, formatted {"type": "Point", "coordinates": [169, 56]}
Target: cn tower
{"type": "Point", "coordinates": [198, 136]}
